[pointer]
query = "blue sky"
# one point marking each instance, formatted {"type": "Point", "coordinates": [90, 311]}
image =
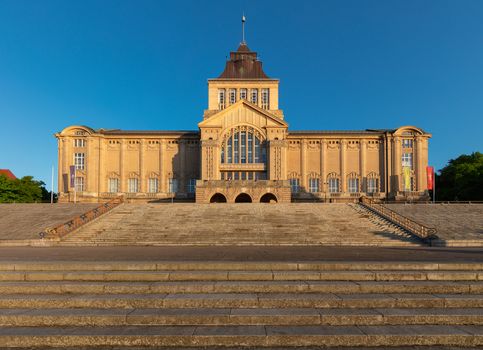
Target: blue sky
{"type": "Point", "coordinates": [144, 65]}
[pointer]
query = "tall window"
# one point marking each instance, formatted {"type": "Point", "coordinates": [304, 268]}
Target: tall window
{"type": "Point", "coordinates": [132, 185]}
{"type": "Point", "coordinates": [407, 143]}
{"type": "Point", "coordinates": [333, 185]}
{"type": "Point", "coordinates": [372, 185]}
{"type": "Point", "coordinates": [265, 98]}
{"type": "Point", "coordinates": [353, 184]}
{"type": "Point", "coordinates": [243, 146]}
{"type": "Point", "coordinates": [221, 99]}
{"type": "Point", "coordinates": [232, 96]}
{"type": "Point", "coordinates": [243, 94]}
{"type": "Point", "coordinates": [254, 96]}
{"type": "Point", "coordinates": [79, 161]}
{"type": "Point", "coordinates": [79, 143]}
{"type": "Point", "coordinates": [113, 185]}
{"type": "Point", "coordinates": [236, 143]}
{"type": "Point", "coordinates": [79, 184]}
{"type": "Point", "coordinates": [173, 185]}
{"type": "Point", "coordinates": [313, 184]}
{"type": "Point", "coordinates": [153, 185]}
{"type": "Point", "coordinates": [192, 186]}
{"type": "Point", "coordinates": [407, 159]}
{"type": "Point", "coordinates": [295, 185]}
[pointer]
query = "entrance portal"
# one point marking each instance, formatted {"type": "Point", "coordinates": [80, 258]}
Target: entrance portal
{"type": "Point", "coordinates": [218, 198]}
{"type": "Point", "coordinates": [268, 198]}
{"type": "Point", "coordinates": [243, 198]}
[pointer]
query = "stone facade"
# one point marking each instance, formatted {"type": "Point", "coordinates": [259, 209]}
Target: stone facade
{"type": "Point", "coordinates": [243, 146]}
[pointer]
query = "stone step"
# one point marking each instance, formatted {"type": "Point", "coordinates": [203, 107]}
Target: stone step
{"type": "Point", "coordinates": [341, 287]}
{"type": "Point", "coordinates": [255, 336]}
{"type": "Point", "coordinates": [238, 316]}
{"type": "Point", "coordinates": [260, 275]}
{"type": "Point", "coordinates": [240, 300]}
{"type": "Point", "coordinates": [235, 266]}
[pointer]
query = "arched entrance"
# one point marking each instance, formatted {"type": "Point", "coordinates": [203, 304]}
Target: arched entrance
{"type": "Point", "coordinates": [243, 198]}
{"type": "Point", "coordinates": [268, 198]}
{"type": "Point", "coordinates": [218, 198]}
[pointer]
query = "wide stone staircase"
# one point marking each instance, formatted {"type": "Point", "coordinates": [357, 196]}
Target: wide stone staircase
{"type": "Point", "coordinates": [240, 224]}
{"type": "Point", "coordinates": [240, 304]}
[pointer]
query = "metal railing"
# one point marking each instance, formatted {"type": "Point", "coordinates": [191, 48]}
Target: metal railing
{"type": "Point", "coordinates": [417, 229]}
{"type": "Point", "coordinates": [63, 229]}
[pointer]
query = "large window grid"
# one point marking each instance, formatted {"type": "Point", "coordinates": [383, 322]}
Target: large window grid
{"type": "Point", "coordinates": [133, 185]}
{"type": "Point", "coordinates": [153, 185]}
{"type": "Point", "coordinates": [79, 184]}
{"type": "Point", "coordinates": [372, 185]}
{"type": "Point", "coordinates": [113, 185]}
{"type": "Point", "coordinates": [314, 184]}
{"type": "Point", "coordinates": [353, 184]}
{"type": "Point", "coordinates": [221, 99]}
{"type": "Point", "coordinates": [243, 175]}
{"type": "Point", "coordinates": [79, 161]}
{"type": "Point", "coordinates": [232, 96]}
{"type": "Point", "coordinates": [243, 145]}
{"type": "Point", "coordinates": [254, 96]}
{"type": "Point", "coordinates": [407, 143]}
{"type": "Point", "coordinates": [265, 98]}
{"type": "Point", "coordinates": [243, 94]}
{"type": "Point", "coordinates": [407, 160]}
{"type": "Point", "coordinates": [295, 185]}
{"type": "Point", "coordinates": [79, 143]}
{"type": "Point", "coordinates": [334, 185]}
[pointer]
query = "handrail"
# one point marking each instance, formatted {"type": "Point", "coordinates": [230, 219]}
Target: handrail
{"type": "Point", "coordinates": [73, 224]}
{"type": "Point", "coordinates": [417, 229]}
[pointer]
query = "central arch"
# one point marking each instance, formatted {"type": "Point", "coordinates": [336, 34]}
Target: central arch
{"type": "Point", "coordinates": [218, 198]}
{"type": "Point", "coordinates": [243, 198]}
{"type": "Point", "coordinates": [268, 198]}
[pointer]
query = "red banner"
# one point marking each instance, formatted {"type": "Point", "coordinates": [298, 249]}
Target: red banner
{"type": "Point", "coordinates": [430, 175]}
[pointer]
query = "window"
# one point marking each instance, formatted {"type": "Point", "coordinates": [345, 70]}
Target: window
{"type": "Point", "coordinates": [152, 185]}
{"type": "Point", "coordinates": [79, 161]}
{"type": "Point", "coordinates": [173, 185]}
{"type": "Point", "coordinates": [113, 185]}
{"type": "Point", "coordinates": [79, 143]}
{"type": "Point", "coordinates": [79, 184]}
{"type": "Point", "coordinates": [254, 96]}
{"type": "Point", "coordinates": [243, 147]}
{"type": "Point", "coordinates": [353, 184]}
{"type": "Point", "coordinates": [407, 143]}
{"type": "Point", "coordinates": [333, 185]}
{"type": "Point", "coordinates": [372, 185]}
{"type": "Point", "coordinates": [250, 147]}
{"type": "Point", "coordinates": [265, 98]}
{"type": "Point", "coordinates": [192, 186]}
{"type": "Point", "coordinates": [407, 160]}
{"type": "Point", "coordinates": [229, 148]}
{"type": "Point", "coordinates": [236, 140]}
{"type": "Point", "coordinates": [132, 185]}
{"type": "Point", "coordinates": [221, 98]}
{"type": "Point", "coordinates": [295, 185]}
{"type": "Point", "coordinates": [243, 94]}
{"type": "Point", "coordinates": [313, 185]}
{"type": "Point", "coordinates": [232, 96]}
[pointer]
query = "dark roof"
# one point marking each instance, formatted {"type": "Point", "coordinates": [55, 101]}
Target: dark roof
{"type": "Point", "coordinates": [243, 64]}
{"type": "Point", "coordinates": [7, 173]}
{"type": "Point", "coordinates": [148, 132]}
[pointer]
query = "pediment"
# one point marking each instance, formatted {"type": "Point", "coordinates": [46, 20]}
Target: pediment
{"type": "Point", "coordinates": [243, 112]}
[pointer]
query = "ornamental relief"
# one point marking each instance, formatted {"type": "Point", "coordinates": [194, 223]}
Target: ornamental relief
{"type": "Point", "coordinates": [113, 174]}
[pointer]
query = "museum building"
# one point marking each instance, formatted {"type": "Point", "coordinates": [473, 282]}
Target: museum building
{"type": "Point", "coordinates": [243, 151]}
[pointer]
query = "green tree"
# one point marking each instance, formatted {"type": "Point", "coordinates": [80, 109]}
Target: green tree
{"type": "Point", "coordinates": [24, 190]}
{"type": "Point", "coordinates": [461, 179]}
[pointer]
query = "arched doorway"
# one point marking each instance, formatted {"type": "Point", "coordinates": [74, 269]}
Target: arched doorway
{"type": "Point", "coordinates": [243, 198]}
{"type": "Point", "coordinates": [268, 198]}
{"type": "Point", "coordinates": [218, 198]}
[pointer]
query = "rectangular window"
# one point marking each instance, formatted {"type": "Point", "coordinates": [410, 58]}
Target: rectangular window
{"type": "Point", "coordinates": [153, 185]}
{"type": "Point", "coordinates": [250, 175]}
{"type": "Point", "coordinates": [333, 185]}
{"type": "Point", "coordinates": [173, 185]}
{"type": "Point", "coordinates": [407, 160]}
{"type": "Point", "coordinates": [243, 175]}
{"type": "Point", "coordinates": [295, 185]}
{"type": "Point", "coordinates": [113, 185]}
{"type": "Point", "coordinates": [132, 185]}
{"type": "Point", "coordinates": [236, 175]}
{"type": "Point", "coordinates": [79, 184]}
{"type": "Point", "coordinates": [79, 143]}
{"type": "Point", "coordinates": [192, 186]}
{"type": "Point", "coordinates": [257, 150]}
{"type": "Point", "coordinates": [254, 96]}
{"type": "Point", "coordinates": [313, 185]}
{"type": "Point", "coordinates": [372, 185]}
{"type": "Point", "coordinates": [232, 96]}
{"type": "Point", "coordinates": [353, 185]}
{"type": "Point", "coordinates": [235, 147]}
{"type": "Point", "coordinates": [250, 148]}
{"type": "Point", "coordinates": [79, 161]}
{"type": "Point", "coordinates": [407, 143]}
{"type": "Point", "coordinates": [229, 150]}
{"type": "Point", "coordinates": [243, 147]}
{"type": "Point", "coordinates": [243, 94]}
{"type": "Point", "coordinates": [265, 98]}
{"type": "Point", "coordinates": [221, 99]}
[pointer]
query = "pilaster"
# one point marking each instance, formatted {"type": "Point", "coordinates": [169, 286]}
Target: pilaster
{"type": "Point", "coordinates": [303, 164]}
{"type": "Point", "coordinates": [323, 165]}
{"type": "Point", "coordinates": [362, 164]}
{"type": "Point", "coordinates": [162, 167]}
{"type": "Point", "coordinates": [343, 166]}
{"type": "Point", "coordinates": [122, 184]}
{"type": "Point", "coordinates": [142, 172]}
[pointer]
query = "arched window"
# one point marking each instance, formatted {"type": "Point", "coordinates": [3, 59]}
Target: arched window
{"type": "Point", "coordinates": [334, 183]}
{"type": "Point", "coordinates": [353, 183]}
{"type": "Point", "coordinates": [372, 183]}
{"type": "Point", "coordinates": [243, 145]}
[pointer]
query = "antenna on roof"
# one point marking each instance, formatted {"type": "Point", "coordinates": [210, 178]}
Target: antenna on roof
{"type": "Point", "coordinates": [243, 28]}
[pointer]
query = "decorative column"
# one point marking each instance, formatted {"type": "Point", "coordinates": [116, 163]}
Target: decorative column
{"type": "Point", "coordinates": [343, 147]}
{"type": "Point", "coordinates": [162, 168]}
{"type": "Point", "coordinates": [182, 165]}
{"type": "Point", "coordinates": [100, 172]}
{"type": "Point", "coordinates": [142, 172]}
{"type": "Point", "coordinates": [122, 185]}
{"type": "Point", "coordinates": [397, 161]}
{"type": "Point", "coordinates": [323, 165]}
{"type": "Point", "coordinates": [362, 164]}
{"type": "Point", "coordinates": [209, 167]}
{"type": "Point", "coordinates": [303, 164]}
{"type": "Point", "coordinates": [276, 164]}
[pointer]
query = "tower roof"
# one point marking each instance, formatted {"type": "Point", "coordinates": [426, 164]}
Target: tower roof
{"type": "Point", "coordinates": [243, 64]}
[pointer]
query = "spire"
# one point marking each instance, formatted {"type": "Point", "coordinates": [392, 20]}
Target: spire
{"type": "Point", "coordinates": [243, 29]}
